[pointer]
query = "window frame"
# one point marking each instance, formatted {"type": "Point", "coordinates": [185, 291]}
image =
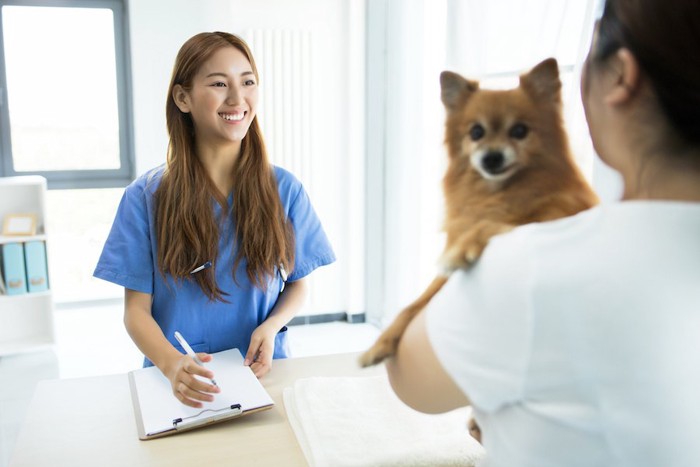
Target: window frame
{"type": "Point", "coordinates": [67, 179]}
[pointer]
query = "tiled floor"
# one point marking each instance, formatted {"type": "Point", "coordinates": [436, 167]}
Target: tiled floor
{"type": "Point", "coordinates": [92, 341]}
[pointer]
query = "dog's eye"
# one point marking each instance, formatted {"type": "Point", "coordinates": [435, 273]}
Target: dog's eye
{"type": "Point", "coordinates": [477, 132]}
{"type": "Point", "coordinates": [518, 131]}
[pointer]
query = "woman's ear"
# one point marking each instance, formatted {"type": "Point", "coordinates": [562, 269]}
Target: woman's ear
{"type": "Point", "coordinates": [628, 80]}
{"type": "Point", "coordinates": [181, 98]}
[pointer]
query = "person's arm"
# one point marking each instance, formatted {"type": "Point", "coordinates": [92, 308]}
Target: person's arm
{"type": "Point", "coordinates": [178, 368]}
{"type": "Point", "coordinates": [262, 341]}
{"type": "Point", "coordinates": [418, 378]}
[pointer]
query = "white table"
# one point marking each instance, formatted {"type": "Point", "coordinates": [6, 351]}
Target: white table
{"type": "Point", "coordinates": [90, 422]}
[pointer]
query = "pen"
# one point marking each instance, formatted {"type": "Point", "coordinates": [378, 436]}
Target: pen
{"type": "Point", "coordinates": [283, 274]}
{"type": "Point", "coordinates": [190, 352]}
{"type": "Point", "coordinates": [201, 268]}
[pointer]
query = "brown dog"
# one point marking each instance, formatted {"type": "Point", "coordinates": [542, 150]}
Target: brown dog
{"type": "Point", "coordinates": [509, 164]}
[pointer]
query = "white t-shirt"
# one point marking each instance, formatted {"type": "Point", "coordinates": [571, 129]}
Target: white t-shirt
{"type": "Point", "coordinates": [578, 340]}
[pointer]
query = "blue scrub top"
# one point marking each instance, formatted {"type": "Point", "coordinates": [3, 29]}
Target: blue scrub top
{"type": "Point", "coordinates": [129, 259]}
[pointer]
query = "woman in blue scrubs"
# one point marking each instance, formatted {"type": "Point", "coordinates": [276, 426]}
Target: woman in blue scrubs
{"type": "Point", "coordinates": [205, 243]}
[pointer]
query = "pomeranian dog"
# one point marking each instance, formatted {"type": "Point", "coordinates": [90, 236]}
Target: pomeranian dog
{"type": "Point", "coordinates": [509, 165]}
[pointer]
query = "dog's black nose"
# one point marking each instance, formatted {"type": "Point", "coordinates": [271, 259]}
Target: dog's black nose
{"type": "Point", "coordinates": [493, 161]}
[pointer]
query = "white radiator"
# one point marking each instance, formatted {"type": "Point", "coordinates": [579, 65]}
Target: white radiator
{"type": "Point", "coordinates": [284, 62]}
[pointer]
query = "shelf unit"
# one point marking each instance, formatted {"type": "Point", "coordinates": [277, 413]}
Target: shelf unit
{"type": "Point", "coordinates": [26, 321]}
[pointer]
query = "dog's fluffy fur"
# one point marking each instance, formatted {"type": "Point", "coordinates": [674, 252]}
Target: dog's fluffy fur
{"type": "Point", "coordinates": [509, 165]}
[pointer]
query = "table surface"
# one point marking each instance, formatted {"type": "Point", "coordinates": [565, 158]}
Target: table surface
{"type": "Point", "coordinates": [90, 421]}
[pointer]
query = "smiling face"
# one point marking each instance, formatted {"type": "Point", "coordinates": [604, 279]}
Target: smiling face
{"type": "Point", "coordinates": [222, 99]}
{"type": "Point", "coordinates": [500, 133]}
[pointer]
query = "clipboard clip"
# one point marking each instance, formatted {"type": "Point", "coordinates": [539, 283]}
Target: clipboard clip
{"type": "Point", "coordinates": [198, 419]}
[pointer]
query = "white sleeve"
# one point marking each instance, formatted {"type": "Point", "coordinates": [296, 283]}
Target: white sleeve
{"type": "Point", "coordinates": [480, 323]}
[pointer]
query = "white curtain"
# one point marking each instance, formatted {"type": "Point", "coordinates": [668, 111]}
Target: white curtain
{"type": "Point", "coordinates": [492, 42]}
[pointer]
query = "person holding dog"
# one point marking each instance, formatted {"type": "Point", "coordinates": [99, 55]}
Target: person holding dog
{"type": "Point", "coordinates": [205, 244]}
{"type": "Point", "coordinates": [576, 340]}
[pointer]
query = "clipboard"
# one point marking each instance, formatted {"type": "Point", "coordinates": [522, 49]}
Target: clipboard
{"type": "Point", "coordinates": [158, 413]}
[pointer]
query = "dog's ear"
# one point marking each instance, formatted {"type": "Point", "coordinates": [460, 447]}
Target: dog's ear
{"type": "Point", "coordinates": [456, 89]}
{"type": "Point", "coordinates": [543, 80]}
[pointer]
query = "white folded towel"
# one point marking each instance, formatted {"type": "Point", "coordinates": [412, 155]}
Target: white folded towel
{"type": "Point", "coordinates": [360, 422]}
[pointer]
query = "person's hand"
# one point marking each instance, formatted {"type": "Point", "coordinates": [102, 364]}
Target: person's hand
{"type": "Point", "coordinates": [186, 387]}
{"type": "Point", "coordinates": [262, 347]}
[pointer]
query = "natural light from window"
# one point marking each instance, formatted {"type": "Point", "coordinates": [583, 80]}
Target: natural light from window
{"type": "Point", "coordinates": [493, 43]}
{"type": "Point", "coordinates": [77, 224]}
{"type": "Point", "coordinates": [62, 88]}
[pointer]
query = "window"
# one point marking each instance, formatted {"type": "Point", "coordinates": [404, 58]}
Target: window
{"type": "Point", "coordinates": [65, 114]}
{"type": "Point", "coordinates": [64, 109]}
{"type": "Point", "coordinates": [543, 29]}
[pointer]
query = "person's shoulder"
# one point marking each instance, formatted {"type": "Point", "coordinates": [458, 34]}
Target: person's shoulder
{"type": "Point", "coordinates": [613, 219]}
{"type": "Point", "coordinates": [635, 211]}
{"type": "Point", "coordinates": [286, 180]}
{"type": "Point", "coordinates": [558, 227]}
{"type": "Point", "coordinates": [284, 176]}
{"type": "Point", "coordinates": [146, 183]}
{"type": "Point", "coordinates": [524, 240]}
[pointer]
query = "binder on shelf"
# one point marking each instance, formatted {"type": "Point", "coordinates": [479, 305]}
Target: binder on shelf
{"type": "Point", "coordinates": [158, 413]}
{"type": "Point", "coordinates": [14, 269]}
{"type": "Point", "coordinates": [37, 271]}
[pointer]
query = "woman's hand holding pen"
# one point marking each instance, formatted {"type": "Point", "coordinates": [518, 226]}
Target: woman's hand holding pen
{"type": "Point", "coordinates": [262, 348]}
{"type": "Point", "coordinates": [189, 390]}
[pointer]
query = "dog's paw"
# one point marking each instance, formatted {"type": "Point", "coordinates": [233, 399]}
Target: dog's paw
{"type": "Point", "coordinates": [452, 259]}
{"type": "Point", "coordinates": [473, 252]}
{"type": "Point", "coordinates": [467, 248]}
{"type": "Point", "coordinates": [381, 350]}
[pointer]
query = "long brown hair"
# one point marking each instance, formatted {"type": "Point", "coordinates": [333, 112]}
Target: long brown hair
{"type": "Point", "coordinates": [663, 35]}
{"type": "Point", "coordinates": [187, 231]}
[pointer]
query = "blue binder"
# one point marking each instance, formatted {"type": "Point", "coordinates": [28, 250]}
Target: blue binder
{"type": "Point", "coordinates": [13, 267]}
{"type": "Point", "coordinates": [37, 272]}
